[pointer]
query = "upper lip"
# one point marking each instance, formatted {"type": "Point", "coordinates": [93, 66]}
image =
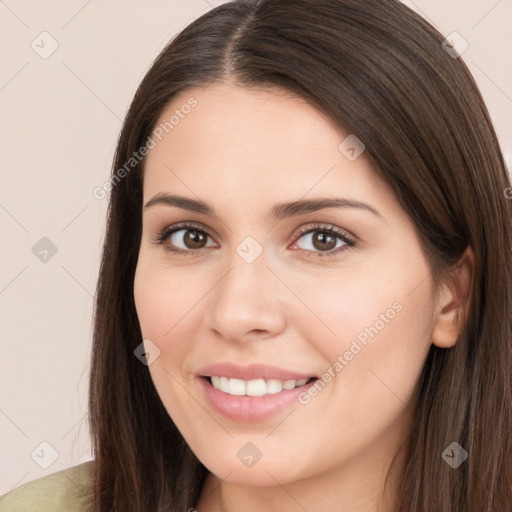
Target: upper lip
{"type": "Point", "coordinates": [250, 372]}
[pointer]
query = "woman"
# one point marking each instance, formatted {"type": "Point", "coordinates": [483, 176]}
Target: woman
{"type": "Point", "coordinates": [304, 297]}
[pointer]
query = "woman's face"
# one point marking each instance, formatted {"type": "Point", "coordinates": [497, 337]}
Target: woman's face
{"type": "Point", "coordinates": [266, 284]}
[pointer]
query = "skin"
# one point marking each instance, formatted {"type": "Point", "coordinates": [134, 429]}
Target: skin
{"type": "Point", "coordinates": [244, 150]}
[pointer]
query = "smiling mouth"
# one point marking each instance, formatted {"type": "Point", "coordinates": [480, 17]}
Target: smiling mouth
{"type": "Point", "coordinates": [256, 387]}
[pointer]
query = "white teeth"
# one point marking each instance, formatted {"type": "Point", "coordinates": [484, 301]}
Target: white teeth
{"type": "Point", "coordinates": [288, 384]}
{"type": "Point", "coordinates": [257, 387]}
{"type": "Point", "coordinates": [273, 386]}
{"type": "Point", "coordinates": [236, 387]}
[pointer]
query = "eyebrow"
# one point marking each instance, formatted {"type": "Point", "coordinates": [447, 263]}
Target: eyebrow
{"type": "Point", "coordinates": [278, 212]}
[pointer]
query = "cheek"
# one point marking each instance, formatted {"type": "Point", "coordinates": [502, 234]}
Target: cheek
{"type": "Point", "coordinates": [164, 304]}
{"type": "Point", "coordinates": [382, 324]}
{"type": "Point", "coordinates": [373, 361]}
{"type": "Point", "coordinates": [162, 298]}
{"type": "Point", "coordinates": [170, 308]}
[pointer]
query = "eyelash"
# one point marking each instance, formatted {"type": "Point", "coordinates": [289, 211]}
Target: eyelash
{"type": "Point", "coordinates": [162, 235]}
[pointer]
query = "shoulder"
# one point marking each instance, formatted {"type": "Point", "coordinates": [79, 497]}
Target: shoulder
{"type": "Point", "coordinates": [68, 490]}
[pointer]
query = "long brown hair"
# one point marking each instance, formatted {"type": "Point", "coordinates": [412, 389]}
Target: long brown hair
{"type": "Point", "coordinates": [380, 72]}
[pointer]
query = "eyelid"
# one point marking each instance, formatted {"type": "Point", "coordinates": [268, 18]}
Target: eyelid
{"type": "Point", "coordinates": [323, 226]}
{"type": "Point", "coordinates": [161, 235]}
{"type": "Point", "coordinates": [349, 240]}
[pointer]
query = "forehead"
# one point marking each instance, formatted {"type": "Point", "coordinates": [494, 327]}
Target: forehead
{"type": "Point", "coordinates": [260, 121]}
{"type": "Point", "coordinates": [244, 145]}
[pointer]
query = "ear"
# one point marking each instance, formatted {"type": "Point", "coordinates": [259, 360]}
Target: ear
{"type": "Point", "coordinates": [453, 301]}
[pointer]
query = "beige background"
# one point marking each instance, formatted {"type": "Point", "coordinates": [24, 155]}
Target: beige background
{"type": "Point", "coordinates": [61, 116]}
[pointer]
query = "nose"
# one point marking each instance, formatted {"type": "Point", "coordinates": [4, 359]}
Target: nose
{"type": "Point", "coordinates": [247, 302]}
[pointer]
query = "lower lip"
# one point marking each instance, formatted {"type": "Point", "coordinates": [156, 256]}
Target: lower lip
{"type": "Point", "coordinates": [250, 408]}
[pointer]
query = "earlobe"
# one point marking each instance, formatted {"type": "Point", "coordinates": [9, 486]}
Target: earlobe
{"type": "Point", "coordinates": [454, 301]}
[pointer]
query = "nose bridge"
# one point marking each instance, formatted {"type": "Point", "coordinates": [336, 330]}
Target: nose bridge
{"type": "Point", "coordinates": [248, 277]}
{"type": "Point", "coordinates": [245, 298]}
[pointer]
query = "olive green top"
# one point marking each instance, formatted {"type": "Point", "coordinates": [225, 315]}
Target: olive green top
{"type": "Point", "coordinates": [64, 491]}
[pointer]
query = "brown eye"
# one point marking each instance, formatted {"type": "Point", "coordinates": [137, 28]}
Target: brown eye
{"type": "Point", "coordinates": [323, 241]}
{"type": "Point", "coordinates": [189, 238]}
{"type": "Point", "coordinates": [193, 239]}
{"type": "Point", "coordinates": [183, 239]}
